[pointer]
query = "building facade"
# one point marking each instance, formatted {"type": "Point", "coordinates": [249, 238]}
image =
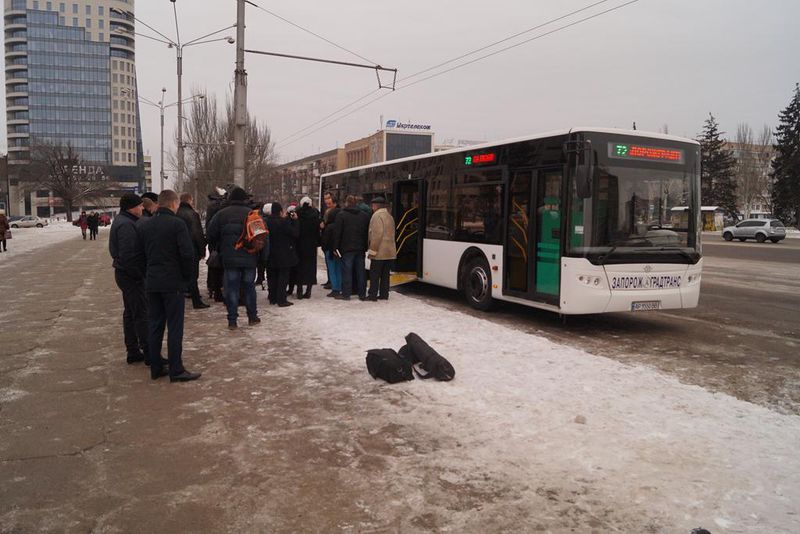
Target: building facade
{"type": "Point", "coordinates": [71, 80]}
{"type": "Point", "coordinates": [292, 181]}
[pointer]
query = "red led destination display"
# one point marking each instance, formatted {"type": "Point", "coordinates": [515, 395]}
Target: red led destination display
{"type": "Point", "coordinates": [480, 159]}
{"type": "Point", "coordinates": [645, 153]}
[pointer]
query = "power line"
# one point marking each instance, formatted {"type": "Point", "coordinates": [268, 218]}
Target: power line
{"type": "Point", "coordinates": [560, 28]}
{"type": "Point", "coordinates": [490, 45]}
{"type": "Point", "coordinates": [470, 62]}
{"type": "Point", "coordinates": [340, 47]}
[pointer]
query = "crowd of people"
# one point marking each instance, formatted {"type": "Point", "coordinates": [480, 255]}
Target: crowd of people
{"type": "Point", "coordinates": [157, 242]}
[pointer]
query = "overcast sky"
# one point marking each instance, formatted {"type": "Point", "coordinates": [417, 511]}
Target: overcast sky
{"type": "Point", "coordinates": [655, 62]}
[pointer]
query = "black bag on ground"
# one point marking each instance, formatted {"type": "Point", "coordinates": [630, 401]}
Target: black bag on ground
{"type": "Point", "coordinates": [434, 364]}
{"type": "Point", "coordinates": [388, 365]}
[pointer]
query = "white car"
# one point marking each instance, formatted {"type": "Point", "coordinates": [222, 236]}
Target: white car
{"type": "Point", "coordinates": [29, 221]}
{"type": "Point", "coordinates": [758, 229]}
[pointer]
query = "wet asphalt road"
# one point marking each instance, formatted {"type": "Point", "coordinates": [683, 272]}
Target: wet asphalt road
{"type": "Point", "coordinates": [743, 339]}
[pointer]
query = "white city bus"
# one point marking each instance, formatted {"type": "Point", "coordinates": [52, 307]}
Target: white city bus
{"type": "Point", "coordinates": [576, 221]}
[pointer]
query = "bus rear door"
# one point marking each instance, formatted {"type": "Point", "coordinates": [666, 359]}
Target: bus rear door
{"type": "Point", "coordinates": [533, 235]}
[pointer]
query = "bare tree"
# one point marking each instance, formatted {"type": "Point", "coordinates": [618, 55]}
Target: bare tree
{"type": "Point", "coordinates": [60, 169]}
{"type": "Point", "coordinates": [753, 156]}
{"type": "Point", "coordinates": [208, 138]}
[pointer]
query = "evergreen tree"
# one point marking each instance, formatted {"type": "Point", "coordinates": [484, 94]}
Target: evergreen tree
{"type": "Point", "coordinates": [786, 165]}
{"type": "Point", "coordinates": [717, 178]}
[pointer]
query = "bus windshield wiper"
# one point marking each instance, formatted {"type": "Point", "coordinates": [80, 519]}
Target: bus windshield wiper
{"type": "Point", "coordinates": [605, 256]}
{"type": "Point", "coordinates": [679, 250]}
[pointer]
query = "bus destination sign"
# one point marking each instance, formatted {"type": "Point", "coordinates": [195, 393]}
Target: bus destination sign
{"type": "Point", "coordinates": [645, 153]}
{"type": "Point", "coordinates": [480, 159]}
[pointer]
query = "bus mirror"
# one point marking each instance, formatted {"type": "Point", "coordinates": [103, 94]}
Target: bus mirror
{"type": "Point", "coordinates": [581, 164]}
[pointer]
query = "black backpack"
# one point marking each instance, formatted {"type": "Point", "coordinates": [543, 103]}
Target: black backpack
{"type": "Point", "coordinates": [388, 365]}
{"type": "Point", "coordinates": [434, 364]}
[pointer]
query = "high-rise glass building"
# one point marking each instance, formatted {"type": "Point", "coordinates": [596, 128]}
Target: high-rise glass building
{"type": "Point", "coordinates": [71, 79]}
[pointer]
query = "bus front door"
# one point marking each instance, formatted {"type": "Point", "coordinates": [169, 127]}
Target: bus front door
{"type": "Point", "coordinates": [408, 213]}
{"type": "Point", "coordinates": [533, 235]}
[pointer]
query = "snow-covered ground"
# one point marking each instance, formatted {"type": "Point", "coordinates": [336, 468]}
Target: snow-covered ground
{"type": "Point", "coordinates": [546, 417]}
{"type": "Point", "coordinates": [26, 240]}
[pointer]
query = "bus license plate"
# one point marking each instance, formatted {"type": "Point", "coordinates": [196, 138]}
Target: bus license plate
{"type": "Point", "coordinates": [646, 305]}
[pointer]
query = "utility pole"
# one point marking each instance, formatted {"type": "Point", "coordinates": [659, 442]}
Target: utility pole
{"type": "Point", "coordinates": [239, 99]}
{"type": "Point", "coordinates": [161, 106]}
{"type": "Point", "coordinates": [179, 182]}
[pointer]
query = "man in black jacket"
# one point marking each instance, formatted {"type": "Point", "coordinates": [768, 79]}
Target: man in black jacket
{"type": "Point", "coordinates": [224, 231]}
{"type": "Point", "coordinates": [192, 219]}
{"type": "Point", "coordinates": [283, 234]}
{"type": "Point", "coordinates": [169, 255]}
{"type": "Point", "coordinates": [129, 266]}
{"type": "Point", "coordinates": [352, 237]}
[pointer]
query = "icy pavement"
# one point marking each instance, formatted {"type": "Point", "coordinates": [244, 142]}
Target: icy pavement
{"type": "Point", "coordinates": [25, 240]}
{"type": "Point", "coordinates": [556, 421]}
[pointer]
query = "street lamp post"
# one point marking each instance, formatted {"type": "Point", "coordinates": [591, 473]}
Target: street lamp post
{"type": "Point", "coordinates": [161, 106]}
{"type": "Point", "coordinates": [179, 52]}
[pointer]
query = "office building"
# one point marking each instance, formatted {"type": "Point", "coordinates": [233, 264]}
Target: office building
{"type": "Point", "coordinates": [71, 79]}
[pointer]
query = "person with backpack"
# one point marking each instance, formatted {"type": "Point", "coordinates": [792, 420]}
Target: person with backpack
{"type": "Point", "coordinates": [352, 228]}
{"type": "Point", "coordinates": [283, 232]}
{"type": "Point", "coordinates": [226, 233]}
{"type": "Point", "coordinates": [192, 219]}
{"type": "Point", "coordinates": [308, 219]}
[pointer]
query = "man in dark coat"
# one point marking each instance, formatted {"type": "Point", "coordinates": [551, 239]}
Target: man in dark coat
{"type": "Point", "coordinates": [332, 261]}
{"type": "Point", "coordinates": [150, 203]}
{"type": "Point", "coordinates": [224, 231]}
{"type": "Point", "coordinates": [93, 223]}
{"type": "Point", "coordinates": [129, 269]}
{"type": "Point", "coordinates": [308, 219]}
{"type": "Point", "coordinates": [283, 233]}
{"type": "Point", "coordinates": [169, 255]}
{"type": "Point", "coordinates": [352, 235]}
{"type": "Point", "coordinates": [192, 219]}
{"type": "Point", "coordinates": [216, 202]}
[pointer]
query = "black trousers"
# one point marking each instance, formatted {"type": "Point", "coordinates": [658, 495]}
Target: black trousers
{"type": "Point", "coordinates": [194, 291]}
{"type": "Point", "coordinates": [214, 280]}
{"type": "Point", "coordinates": [134, 316]}
{"type": "Point", "coordinates": [165, 309]}
{"type": "Point", "coordinates": [277, 280]}
{"type": "Point", "coordinates": [379, 271]}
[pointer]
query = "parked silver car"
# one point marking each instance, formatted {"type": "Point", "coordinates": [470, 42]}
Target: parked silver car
{"type": "Point", "coordinates": [758, 229]}
{"type": "Point", "coordinates": [29, 221]}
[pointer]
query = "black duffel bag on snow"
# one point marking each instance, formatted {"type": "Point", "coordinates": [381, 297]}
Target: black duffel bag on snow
{"type": "Point", "coordinates": [388, 365]}
{"type": "Point", "coordinates": [434, 364]}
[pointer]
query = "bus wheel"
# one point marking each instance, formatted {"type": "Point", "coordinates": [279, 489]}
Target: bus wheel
{"type": "Point", "coordinates": [477, 284]}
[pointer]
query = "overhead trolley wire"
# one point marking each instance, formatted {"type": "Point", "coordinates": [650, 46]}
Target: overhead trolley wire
{"type": "Point", "coordinates": [340, 47]}
{"type": "Point", "coordinates": [286, 142]}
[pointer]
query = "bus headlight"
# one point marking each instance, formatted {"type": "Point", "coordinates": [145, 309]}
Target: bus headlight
{"type": "Point", "coordinates": [591, 281]}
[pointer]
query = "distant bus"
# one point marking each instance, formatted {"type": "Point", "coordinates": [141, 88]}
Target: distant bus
{"type": "Point", "coordinates": [577, 221]}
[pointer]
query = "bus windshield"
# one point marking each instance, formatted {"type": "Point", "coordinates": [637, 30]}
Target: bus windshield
{"type": "Point", "coordinates": [636, 214]}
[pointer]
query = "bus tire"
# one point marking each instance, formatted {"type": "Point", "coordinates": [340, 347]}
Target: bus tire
{"type": "Point", "coordinates": [477, 284]}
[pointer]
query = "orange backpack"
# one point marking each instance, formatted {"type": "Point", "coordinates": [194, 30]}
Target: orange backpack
{"type": "Point", "coordinates": [254, 234]}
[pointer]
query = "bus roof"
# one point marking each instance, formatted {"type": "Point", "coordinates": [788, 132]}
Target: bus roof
{"type": "Point", "coordinates": [554, 133]}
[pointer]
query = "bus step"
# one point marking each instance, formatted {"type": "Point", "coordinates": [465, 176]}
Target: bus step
{"type": "Point", "coordinates": [398, 279]}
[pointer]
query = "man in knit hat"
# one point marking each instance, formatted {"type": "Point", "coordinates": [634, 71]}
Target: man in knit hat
{"type": "Point", "coordinates": [129, 268]}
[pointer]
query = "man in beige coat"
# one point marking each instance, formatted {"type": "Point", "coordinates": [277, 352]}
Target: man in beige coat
{"type": "Point", "coordinates": [382, 249]}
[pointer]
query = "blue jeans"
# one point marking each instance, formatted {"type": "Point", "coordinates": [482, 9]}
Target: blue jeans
{"type": "Point", "coordinates": [354, 261]}
{"type": "Point", "coordinates": [334, 265]}
{"type": "Point", "coordinates": [234, 278]}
